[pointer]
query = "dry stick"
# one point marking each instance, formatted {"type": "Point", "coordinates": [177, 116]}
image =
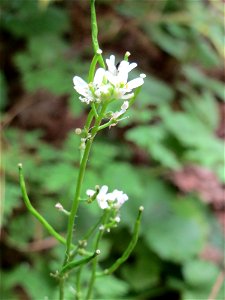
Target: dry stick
{"type": "Point", "coordinates": [217, 285]}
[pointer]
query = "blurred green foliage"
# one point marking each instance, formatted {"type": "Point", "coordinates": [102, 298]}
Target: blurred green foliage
{"type": "Point", "coordinates": [172, 125]}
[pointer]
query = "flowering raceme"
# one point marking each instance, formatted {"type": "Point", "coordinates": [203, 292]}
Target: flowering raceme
{"type": "Point", "coordinates": [108, 200]}
{"type": "Point", "coordinates": [109, 85]}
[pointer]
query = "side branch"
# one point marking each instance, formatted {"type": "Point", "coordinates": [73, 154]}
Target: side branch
{"type": "Point", "coordinates": [129, 249]}
{"type": "Point", "coordinates": [34, 212]}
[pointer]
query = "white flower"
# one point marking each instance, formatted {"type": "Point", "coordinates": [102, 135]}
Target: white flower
{"type": "Point", "coordinates": [118, 77]}
{"type": "Point", "coordinates": [108, 200]}
{"type": "Point", "coordinates": [124, 108]}
{"type": "Point", "coordinates": [111, 84]}
{"type": "Point", "coordinates": [117, 198]}
{"type": "Point", "coordinates": [88, 90]}
{"type": "Point", "coordinates": [101, 196]}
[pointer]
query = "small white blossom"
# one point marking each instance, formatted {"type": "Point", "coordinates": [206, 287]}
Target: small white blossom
{"type": "Point", "coordinates": [117, 219]}
{"type": "Point", "coordinates": [124, 108]}
{"type": "Point", "coordinates": [59, 206]}
{"type": "Point", "coordinates": [117, 198]}
{"type": "Point", "coordinates": [101, 196]}
{"type": "Point", "coordinates": [108, 200]}
{"type": "Point", "coordinates": [109, 84]}
{"type": "Point", "coordinates": [118, 77]}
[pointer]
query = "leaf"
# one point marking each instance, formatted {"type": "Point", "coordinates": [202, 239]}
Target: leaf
{"type": "Point", "coordinates": [11, 200]}
{"type": "Point", "coordinates": [109, 286]}
{"type": "Point", "coordinates": [154, 91]}
{"type": "Point", "coordinates": [172, 45]}
{"type": "Point", "coordinates": [17, 235]}
{"type": "Point", "coordinates": [199, 107]}
{"type": "Point", "coordinates": [131, 180]}
{"type": "Point", "coordinates": [144, 272]}
{"type": "Point", "coordinates": [30, 19]}
{"type": "Point", "coordinates": [59, 176]}
{"type": "Point", "coordinates": [177, 231]}
{"type": "Point", "coordinates": [200, 80]}
{"type": "Point", "coordinates": [152, 138]}
{"type": "Point", "coordinates": [200, 273]}
{"type": "Point", "coordinates": [32, 281]}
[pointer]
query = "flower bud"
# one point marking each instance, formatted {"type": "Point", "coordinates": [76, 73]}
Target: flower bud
{"type": "Point", "coordinates": [78, 131]}
{"type": "Point", "coordinates": [59, 206]}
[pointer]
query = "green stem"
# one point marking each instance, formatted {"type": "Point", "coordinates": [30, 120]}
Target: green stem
{"type": "Point", "coordinates": [74, 264]}
{"type": "Point", "coordinates": [89, 120]}
{"type": "Point", "coordinates": [94, 32]}
{"type": "Point", "coordinates": [94, 110]}
{"type": "Point", "coordinates": [86, 237]}
{"type": "Point", "coordinates": [109, 123]}
{"type": "Point", "coordinates": [61, 289]}
{"type": "Point", "coordinates": [79, 183]}
{"type": "Point", "coordinates": [94, 265]}
{"type": "Point", "coordinates": [129, 249]}
{"type": "Point", "coordinates": [34, 212]}
{"type": "Point", "coordinates": [78, 283]}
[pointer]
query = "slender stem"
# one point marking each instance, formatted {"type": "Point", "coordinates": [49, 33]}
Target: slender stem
{"type": "Point", "coordinates": [89, 120]}
{"type": "Point", "coordinates": [86, 237]}
{"type": "Point", "coordinates": [33, 211]}
{"type": "Point", "coordinates": [106, 124]}
{"type": "Point", "coordinates": [61, 289]}
{"type": "Point", "coordinates": [76, 198]}
{"type": "Point", "coordinates": [94, 265]}
{"type": "Point", "coordinates": [79, 184]}
{"type": "Point", "coordinates": [74, 264]}
{"type": "Point", "coordinates": [78, 283]}
{"type": "Point", "coordinates": [94, 32]}
{"type": "Point", "coordinates": [94, 110]}
{"type": "Point", "coordinates": [129, 248]}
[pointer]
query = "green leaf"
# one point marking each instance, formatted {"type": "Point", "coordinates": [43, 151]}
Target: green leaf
{"type": "Point", "coordinates": [11, 199]}
{"type": "Point", "coordinates": [200, 273]}
{"type": "Point", "coordinates": [154, 91]}
{"type": "Point", "coordinates": [17, 235]}
{"type": "Point", "coordinates": [144, 272]}
{"type": "Point", "coordinates": [59, 176]}
{"type": "Point", "coordinates": [33, 282]}
{"type": "Point", "coordinates": [152, 138]}
{"type": "Point", "coordinates": [172, 45]}
{"type": "Point", "coordinates": [30, 20]}
{"type": "Point", "coordinates": [177, 231]}
{"type": "Point", "coordinates": [109, 286]}
{"type": "Point", "coordinates": [201, 80]}
{"type": "Point", "coordinates": [199, 107]}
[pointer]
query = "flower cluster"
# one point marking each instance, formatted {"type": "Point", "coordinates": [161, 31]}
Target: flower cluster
{"type": "Point", "coordinates": [110, 84]}
{"type": "Point", "coordinates": [108, 200]}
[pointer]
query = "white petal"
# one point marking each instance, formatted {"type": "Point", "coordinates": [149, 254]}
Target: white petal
{"type": "Point", "coordinates": [125, 105]}
{"type": "Point", "coordinates": [132, 66]}
{"type": "Point", "coordinates": [111, 197]}
{"type": "Point", "coordinates": [128, 96]}
{"type": "Point", "coordinates": [111, 78]}
{"type": "Point", "coordinates": [90, 193]}
{"type": "Point", "coordinates": [99, 74]}
{"type": "Point", "coordinates": [123, 71]}
{"type": "Point", "coordinates": [111, 64]}
{"type": "Point", "coordinates": [124, 66]}
{"type": "Point", "coordinates": [103, 204]}
{"type": "Point", "coordinates": [135, 83]}
{"type": "Point", "coordinates": [103, 189]}
{"type": "Point", "coordinates": [79, 82]}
